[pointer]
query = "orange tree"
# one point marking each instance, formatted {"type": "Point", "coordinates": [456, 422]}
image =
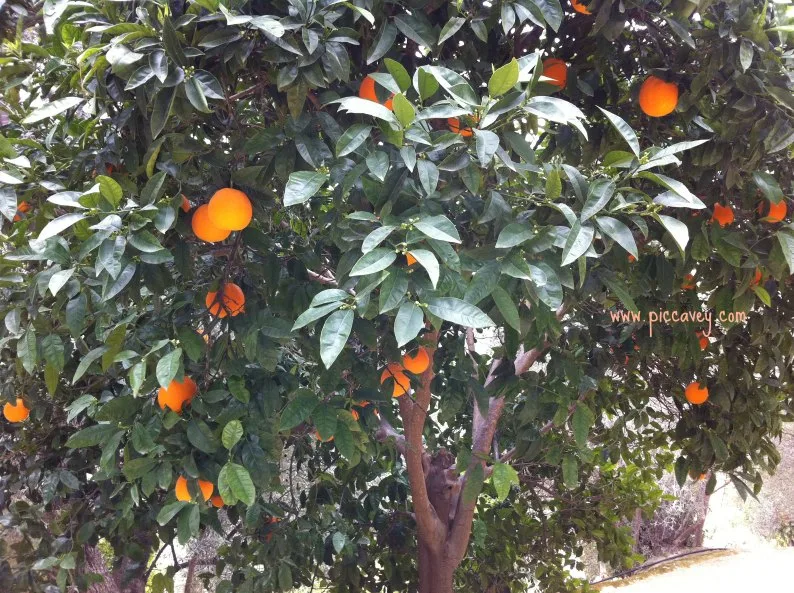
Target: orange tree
{"type": "Point", "coordinates": [411, 183]}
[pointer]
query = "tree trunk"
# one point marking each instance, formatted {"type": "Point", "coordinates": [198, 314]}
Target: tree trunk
{"type": "Point", "coordinates": [435, 571]}
{"type": "Point", "coordinates": [116, 581]}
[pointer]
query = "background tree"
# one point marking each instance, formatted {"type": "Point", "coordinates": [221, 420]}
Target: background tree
{"type": "Point", "coordinates": [463, 207]}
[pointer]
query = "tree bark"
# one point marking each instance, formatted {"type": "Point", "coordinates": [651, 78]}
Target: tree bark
{"type": "Point", "coordinates": [435, 571]}
{"type": "Point", "coordinates": [115, 581]}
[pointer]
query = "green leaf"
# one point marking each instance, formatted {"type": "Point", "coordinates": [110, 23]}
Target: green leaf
{"type": "Point", "coordinates": [403, 109]}
{"type": "Point", "coordinates": [598, 196]}
{"type": "Point", "coordinates": [334, 335]}
{"type": "Point", "coordinates": [399, 73]}
{"type": "Point", "coordinates": [325, 420]}
{"type": "Point", "coordinates": [188, 524]}
{"type": "Point", "coordinates": [114, 343]}
{"type": "Point", "coordinates": [195, 95]}
{"type": "Point", "coordinates": [285, 582]}
{"type": "Point", "coordinates": [232, 433]}
{"type": "Point", "coordinates": [314, 313]}
{"type": "Point", "coordinates": [91, 436]}
{"type": "Point", "coordinates": [438, 227]}
{"type": "Point", "coordinates": [170, 511]}
{"type": "Point", "coordinates": [557, 110]}
{"type": "Point", "coordinates": [425, 84]}
{"type": "Point", "coordinates": [621, 292]}
{"type": "Point", "coordinates": [553, 184]}
{"type": "Point", "coordinates": [353, 137]}
{"type": "Point", "coordinates": [474, 480]}
{"type": "Point", "coordinates": [376, 237]}
{"type": "Point", "coordinates": [452, 26]}
{"type": "Point", "coordinates": [382, 43]}
{"type": "Point", "coordinates": [619, 232]}
{"type": "Point", "coordinates": [168, 366]}
{"type": "Point", "coordinates": [192, 343]}
{"type": "Point", "coordinates": [234, 483]}
{"type": "Point", "coordinates": [487, 143]}
{"type": "Point", "coordinates": [681, 470]}
{"type": "Point", "coordinates": [507, 307]}
{"type": "Point", "coordinates": [161, 108]}
{"type": "Point", "coordinates": [428, 261]}
{"type": "Point", "coordinates": [110, 189]}
{"type": "Point", "coordinates": [428, 175]}
{"type": "Point", "coordinates": [503, 79]}
{"type": "Point", "coordinates": [60, 224]}
{"type": "Point", "coordinates": [624, 130]}
{"type": "Point", "coordinates": [504, 476]}
{"type": "Point", "coordinates": [514, 234]}
{"type": "Point", "coordinates": [367, 107]}
{"type": "Point", "coordinates": [768, 186]}
{"type": "Point", "coordinates": [762, 294]}
{"type": "Point", "coordinates": [86, 362]}
{"type": "Point", "coordinates": [551, 11]}
{"type": "Point", "coordinates": [374, 261]}
{"type": "Point", "coordinates": [581, 421]}
{"type": "Point", "coordinates": [786, 239]}
{"type": "Point", "coordinates": [570, 471]}
{"type": "Point", "coordinates": [457, 311]}
{"type": "Point", "coordinates": [676, 228]}
{"type": "Point", "coordinates": [298, 409]}
{"type": "Point", "coordinates": [302, 185]}
{"type": "Point", "coordinates": [579, 240]}
{"type": "Point", "coordinates": [409, 321]}
{"type": "Point", "coordinates": [52, 108]}
{"type": "Point", "coordinates": [201, 436]}
{"type": "Point", "coordinates": [483, 282]}
{"type": "Point", "coordinates": [135, 469]}
{"type": "Point", "coordinates": [392, 291]}
{"type": "Point", "coordinates": [238, 390]}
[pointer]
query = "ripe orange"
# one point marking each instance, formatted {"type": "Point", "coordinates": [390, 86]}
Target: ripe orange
{"type": "Point", "coordinates": [409, 259]}
{"type": "Point", "coordinates": [216, 501]}
{"type": "Point", "coordinates": [185, 206]}
{"type": "Point", "coordinates": [394, 371]}
{"type": "Point", "coordinates": [657, 97]}
{"type": "Point", "coordinates": [689, 282]}
{"type": "Point", "coordinates": [367, 91]}
{"type": "Point", "coordinates": [16, 413]}
{"type": "Point", "coordinates": [204, 228]}
{"type": "Point", "coordinates": [757, 277]}
{"type": "Point", "coordinates": [777, 212]}
{"type": "Point", "coordinates": [418, 363]}
{"type": "Point", "coordinates": [230, 209]}
{"type": "Point", "coordinates": [579, 7]}
{"type": "Point", "coordinates": [177, 394]}
{"type": "Point", "coordinates": [557, 70]}
{"type": "Point", "coordinates": [453, 123]}
{"type": "Point", "coordinates": [109, 169]}
{"type": "Point", "coordinates": [722, 215]}
{"type": "Point", "coordinates": [183, 494]}
{"type": "Point", "coordinates": [695, 394]}
{"type": "Point", "coordinates": [24, 207]}
{"type": "Point", "coordinates": [704, 341]}
{"type": "Point", "coordinates": [632, 259]}
{"type": "Point", "coordinates": [362, 404]}
{"type": "Point", "coordinates": [355, 415]}
{"type": "Point", "coordinates": [232, 302]}
{"type": "Point", "coordinates": [319, 438]}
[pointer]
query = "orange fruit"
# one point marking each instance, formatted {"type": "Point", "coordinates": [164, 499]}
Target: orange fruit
{"type": "Point", "coordinates": [557, 70]}
{"type": "Point", "coordinates": [24, 207]}
{"type": "Point", "coordinates": [695, 394]}
{"type": "Point", "coordinates": [757, 277]}
{"type": "Point", "coordinates": [689, 282]}
{"type": "Point", "coordinates": [232, 302]}
{"type": "Point", "coordinates": [185, 206]}
{"type": "Point", "coordinates": [230, 209]}
{"type": "Point", "coordinates": [367, 91]}
{"type": "Point", "coordinates": [401, 381]}
{"type": "Point", "coordinates": [632, 259]}
{"type": "Point", "coordinates": [777, 212]}
{"type": "Point", "coordinates": [109, 169]}
{"type": "Point", "coordinates": [183, 494]}
{"type": "Point", "coordinates": [355, 415]}
{"type": "Point", "coordinates": [216, 501]}
{"type": "Point", "coordinates": [704, 342]}
{"type": "Point", "coordinates": [319, 438]}
{"type": "Point", "coordinates": [16, 413]}
{"type": "Point", "coordinates": [409, 259]}
{"type": "Point", "coordinates": [658, 97]}
{"type": "Point", "coordinates": [204, 228]}
{"type": "Point", "coordinates": [362, 404]}
{"type": "Point", "coordinates": [722, 215]}
{"type": "Point", "coordinates": [418, 362]}
{"type": "Point", "coordinates": [454, 125]}
{"type": "Point", "coordinates": [177, 394]}
{"type": "Point", "coordinates": [579, 7]}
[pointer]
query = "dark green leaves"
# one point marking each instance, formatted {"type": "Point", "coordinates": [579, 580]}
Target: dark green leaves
{"type": "Point", "coordinates": [768, 186]}
{"type": "Point", "coordinates": [504, 476]}
{"type": "Point", "coordinates": [581, 422]}
{"type": "Point", "coordinates": [161, 108]}
{"type": "Point", "coordinates": [598, 196]}
{"type": "Point", "coordinates": [618, 232]}
{"type": "Point", "coordinates": [302, 185]}
{"type": "Point", "coordinates": [52, 108]}
{"type": "Point", "coordinates": [353, 137]}
{"type": "Point", "coordinates": [579, 240]}
{"type": "Point", "coordinates": [232, 433]}
{"type": "Point", "coordinates": [168, 366]}
{"type": "Point", "coordinates": [91, 436]}
{"type": "Point", "coordinates": [408, 322]}
{"type": "Point", "coordinates": [299, 408]}
{"type": "Point", "coordinates": [374, 261]}
{"type": "Point", "coordinates": [202, 437]}
{"type": "Point", "coordinates": [624, 130]}
{"type": "Point", "coordinates": [439, 227]}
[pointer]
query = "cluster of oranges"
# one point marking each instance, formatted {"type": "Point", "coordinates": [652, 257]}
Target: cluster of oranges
{"type": "Point", "coordinates": [416, 363]}
{"type": "Point", "coordinates": [228, 210]}
{"type": "Point", "coordinates": [17, 412]}
{"type": "Point", "coordinates": [206, 488]}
